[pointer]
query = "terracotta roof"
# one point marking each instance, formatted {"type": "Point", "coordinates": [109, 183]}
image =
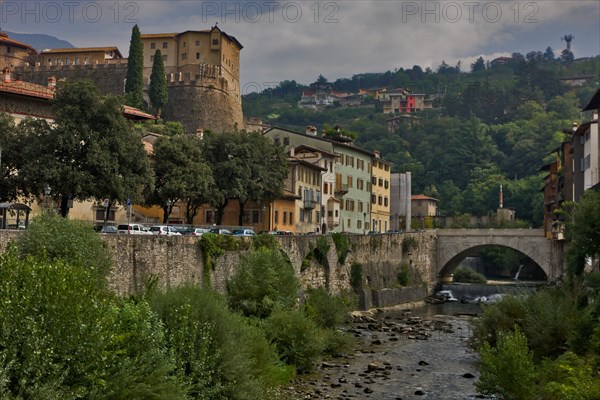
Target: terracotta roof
{"type": "Point", "coordinates": [4, 39]}
{"type": "Point", "coordinates": [27, 89]}
{"type": "Point", "coordinates": [314, 149]}
{"type": "Point", "coordinates": [422, 197]}
{"type": "Point", "coordinates": [83, 50]}
{"type": "Point", "coordinates": [134, 113]}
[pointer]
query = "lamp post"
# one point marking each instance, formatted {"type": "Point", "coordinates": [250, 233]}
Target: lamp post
{"type": "Point", "coordinates": [267, 210]}
{"type": "Point", "coordinates": [364, 223]}
{"type": "Point", "coordinates": [47, 191]}
{"type": "Point", "coordinates": [169, 203]}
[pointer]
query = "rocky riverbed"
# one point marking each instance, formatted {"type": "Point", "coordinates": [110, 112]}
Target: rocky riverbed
{"type": "Point", "coordinates": [398, 356]}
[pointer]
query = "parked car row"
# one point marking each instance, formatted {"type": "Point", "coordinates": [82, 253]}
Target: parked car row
{"type": "Point", "coordinates": [169, 230]}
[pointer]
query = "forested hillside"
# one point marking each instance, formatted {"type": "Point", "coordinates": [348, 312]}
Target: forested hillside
{"type": "Point", "coordinates": [490, 125]}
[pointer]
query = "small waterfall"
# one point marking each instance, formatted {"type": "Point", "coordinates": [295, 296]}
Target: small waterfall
{"type": "Point", "coordinates": [516, 278]}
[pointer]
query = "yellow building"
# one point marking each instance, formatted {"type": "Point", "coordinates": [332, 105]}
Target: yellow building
{"type": "Point", "coordinates": [211, 53]}
{"type": "Point", "coordinates": [380, 193]}
{"type": "Point", "coordinates": [81, 56]}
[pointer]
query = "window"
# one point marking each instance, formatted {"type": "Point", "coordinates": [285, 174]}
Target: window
{"type": "Point", "coordinates": [587, 162]}
{"type": "Point", "coordinates": [300, 192]}
{"type": "Point", "coordinates": [386, 184]}
{"type": "Point", "coordinates": [360, 206]}
{"type": "Point", "coordinates": [326, 188]}
{"type": "Point", "coordinates": [76, 62]}
{"type": "Point", "coordinates": [165, 45]}
{"type": "Point", "coordinates": [184, 44]}
{"type": "Point", "coordinates": [374, 180]}
{"type": "Point", "coordinates": [350, 161]}
{"type": "Point", "coordinates": [359, 224]}
{"type": "Point", "coordinates": [386, 167]}
{"type": "Point", "coordinates": [302, 215]}
{"type": "Point", "coordinates": [165, 58]}
{"type": "Point", "coordinates": [360, 164]}
{"type": "Point", "coordinates": [284, 217]}
{"type": "Point", "coordinates": [286, 141]}
{"type": "Point", "coordinates": [276, 217]}
{"type": "Point", "coordinates": [184, 56]}
{"type": "Point", "coordinates": [153, 46]}
{"type": "Point", "coordinates": [85, 60]}
{"type": "Point", "coordinates": [380, 182]}
{"type": "Point", "coordinates": [385, 201]}
{"type": "Point", "coordinates": [100, 214]}
{"type": "Point", "coordinates": [349, 180]}
{"type": "Point", "coordinates": [329, 213]}
{"type": "Point", "coordinates": [255, 216]}
{"type": "Point", "coordinates": [151, 58]}
{"type": "Point", "coordinates": [309, 215]}
{"type": "Point", "coordinates": [349, 223]}
{"type": "Point", "coordinates": [277, 142]}
{"type": "Point", "coordinates": [337, 213]}
{"type": "Point", "coordinates": [197, 43]}
{"type": "Point", "coordinates": [291, 218]}
{"type": "Point", "coordinates": [215, 42]}
{"type": "Point", "coordinates": [67, 61]}
{"type": "Point", "coordinates": [373, 198]}
{"type": "Point", "coordinates": [380, 200]}
{"type": "Point", "coordinates": [360, 184]}
{"type": "Point", "coordinates": [209, 217]}
{"type": "Point", "coordinates": [197, 56]}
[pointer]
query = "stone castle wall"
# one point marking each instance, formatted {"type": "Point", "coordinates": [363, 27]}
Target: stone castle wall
{"type": "Point", "coordinates": [199, 102]}
{"type": "Point", "coordinates": [172, 261]}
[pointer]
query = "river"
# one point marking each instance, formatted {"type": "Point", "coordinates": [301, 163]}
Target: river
{"type": "Point", "coordinates": [416, 353]}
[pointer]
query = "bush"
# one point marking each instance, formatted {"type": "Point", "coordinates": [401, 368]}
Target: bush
{"type": "Point", "coordinates": [297, 338]}
{"type": "Point", "coordinates": [337, 343]}
{"type": "Point", "coordinates": [51, 238]}
{"type": "Point", "coordinates": [220, 354]}
{"type": "Point", "coordinates": [265, 240]}
{"type": "Point", "coordinates": [570, 378]}
{"type": "Point", "coordinates": [325, 310]}
{"type": "Point", "coordinates": [404, 275]}
{"type": "Point", "coordinates": [467, 275]}
{"type": "Point", "coordinates": [498, 318]}
{"type": "Point", "coordinates": [64, 336]}
{"type": "Point", "coordinates": [507, 370]}
{"type": "Point", "coordinates": [264, 280]}
{"type": "Point", "coordinates": [409, 243]}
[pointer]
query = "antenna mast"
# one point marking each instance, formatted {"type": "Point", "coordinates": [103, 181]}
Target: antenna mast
{"type": "Point", "coordinates": [568, 38]}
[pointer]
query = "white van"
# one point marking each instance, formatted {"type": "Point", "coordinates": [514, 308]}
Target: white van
{"type": "Point", "coordinates": [133, 229]}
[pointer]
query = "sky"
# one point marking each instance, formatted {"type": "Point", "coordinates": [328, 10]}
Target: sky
{"type": "Point", "coordinates": [298, 40]}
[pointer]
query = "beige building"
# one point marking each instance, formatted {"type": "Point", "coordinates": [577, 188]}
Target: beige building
{"type": "Point", "coordinates": [81, 56]}
{"type": "Point", "coordinates": [14, 53]}
{"type": "Point", "coordinates": [423, 207]}
{"type": "Point", "coordinates": [211, 53]}
{"type": "Point", "coordinates": [380, 193]}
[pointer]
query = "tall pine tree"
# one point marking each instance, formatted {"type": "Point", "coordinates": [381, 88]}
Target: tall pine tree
{"type": "Point", "coordinates": [158, 84]}
{"type": "Point", "coordinates": [134, 86]}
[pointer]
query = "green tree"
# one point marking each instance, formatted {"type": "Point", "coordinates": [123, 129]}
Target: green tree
{"type": "Point", "coordinates": [89, 152]}
{"type": "Point", "coordinates": [478, 65]}
{"type": "Point", "coordinates": [134, 85]}
{"type": "Point", "coordinates": [181, 174]}
{"type": "Point", "coordinates": [157, 92]}
{"type": "Point", "coordinates": [264, 281]}
{"type": "Point", "coordinates": [246, 166]}
{"type": "Point", "coordinates": [11, 157]}
{"type": "Point", "coordinates": [567, 57]}
{"type": "Point", "coordinates": [582, 230]}
{"type": "Point", "coordinates": [549, 54]}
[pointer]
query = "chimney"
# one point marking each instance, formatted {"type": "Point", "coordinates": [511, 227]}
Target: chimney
{"type": "Point", "coordinates": [377, 153]}
{"type": "Point", "coordinates": [311, 130]}
{"type": "Point", "coordinates": [52, 82]}
{"type": "Point", "coordinates": [6, 75]}
{"type": "Point", "coordinates": [595, 115]}
{"type": "Point", "coordinates": [292, 151]}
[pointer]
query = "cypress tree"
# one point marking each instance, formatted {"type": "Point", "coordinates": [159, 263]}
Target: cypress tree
{"type": "Point", "coordinates": [134, 87]}
{"type": "Point", "coordinates": [158, 84]}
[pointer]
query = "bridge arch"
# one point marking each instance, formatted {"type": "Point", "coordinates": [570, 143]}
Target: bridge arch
{"type": "Point", "coordinates": [454, 243]}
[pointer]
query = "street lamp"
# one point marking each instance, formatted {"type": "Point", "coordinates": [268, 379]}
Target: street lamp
{"type": "Point", "coordinates": [264, 209]}
{"type": "Point", "coordinates": [364, 223]}
{"type": "Point", "coordinates": [47, 191]}
{"type": "Point", "coordinates": [169, 203]}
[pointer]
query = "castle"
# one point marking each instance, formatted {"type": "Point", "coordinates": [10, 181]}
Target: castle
{"type": "Point", "coordinates": [202, 68]}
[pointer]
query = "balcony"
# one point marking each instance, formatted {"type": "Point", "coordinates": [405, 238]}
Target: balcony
{"type": "Point", "coordinates": [309, 204]}
{"type": "Point", "coordinates": [341, 190]}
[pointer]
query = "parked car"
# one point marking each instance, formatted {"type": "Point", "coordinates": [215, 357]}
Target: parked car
{"type": "Point", "coordinates": [220, 231]}
{"type": "Point", "coordinates": [195, 231]}
{"type": "Point", "coordinates": [133, 229]}
{"type": "Point", "coordinates": [109, 229]}
{"type": "Point", "coordinates": [164, 230]}
{"type": "Point", "coordinates": [243, 232]}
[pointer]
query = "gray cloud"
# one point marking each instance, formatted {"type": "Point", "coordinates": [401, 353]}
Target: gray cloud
{"type": "Point", "coordinates": [302, 39]}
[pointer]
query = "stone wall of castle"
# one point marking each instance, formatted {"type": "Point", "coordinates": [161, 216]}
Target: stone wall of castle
{"type": "Point", "coordinates": [110, 78]}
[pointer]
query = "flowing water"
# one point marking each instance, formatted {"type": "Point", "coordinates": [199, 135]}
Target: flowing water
{"type": "Point", "coordinates": [402, 354]}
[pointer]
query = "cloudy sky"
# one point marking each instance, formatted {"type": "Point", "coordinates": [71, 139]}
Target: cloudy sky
{"type": "Point", "coordinates": [302, 39]}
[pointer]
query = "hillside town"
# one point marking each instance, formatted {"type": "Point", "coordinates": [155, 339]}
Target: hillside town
{"type": "Point", "coordinates": [332, 185]}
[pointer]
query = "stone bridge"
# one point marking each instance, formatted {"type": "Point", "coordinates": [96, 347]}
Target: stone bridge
{"type": "Point", "coordinates": [453, 245]}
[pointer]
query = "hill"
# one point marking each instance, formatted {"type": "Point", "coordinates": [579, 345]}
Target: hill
{"type": "Point", "coordinates": [40, 41]}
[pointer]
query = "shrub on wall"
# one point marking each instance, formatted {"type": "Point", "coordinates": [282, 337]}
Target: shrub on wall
{"type": "Point", "coordinates": [341, 245]}
{"type": "Point", "coordinates": [404, 274]}
{"type": "Point", "coordinates": [467, 275]}
{"type": "Point", "coordinates": [356, 277]}
{"type": "Point", "coordinates": [409, 243]}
